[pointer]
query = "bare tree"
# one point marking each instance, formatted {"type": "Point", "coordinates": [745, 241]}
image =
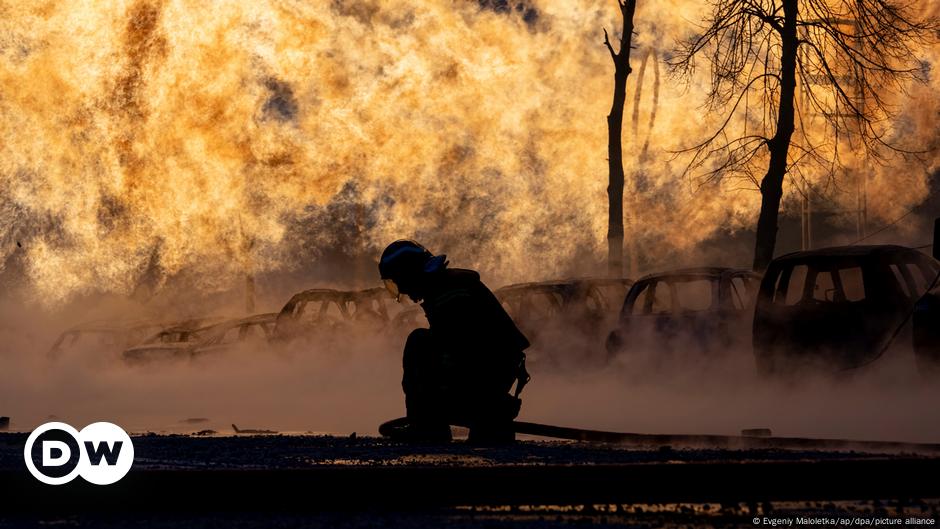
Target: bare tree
{"type": "Point", "coordinates": [614, 144]}
{"type": "Point", "coordinates": [847, 55]}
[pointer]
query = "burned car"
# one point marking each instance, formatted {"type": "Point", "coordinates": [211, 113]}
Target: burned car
{"type": "Point", "coordinates": [210, 339]}
{"type": "Point", "coordinates": [103, 337]}
{"type": "Point", "coordinates": [926, 320]}
{"type": "Point", "coordinates": [182, 331]}
{"type": "Point", "coordinates": [695, 310]}
{"type": "Point", "coordinates": [836, 308]}
{"type": "Point", "coordinates": [926, 332]}
{"type": "Point", "coordinates": [321, 311]}
{"type": "Point", "coordinates": [584, 302]}
{"type": "Point", "coordinates": [577, 311]}
{"type": "Point", "coordinates": [610, 291]}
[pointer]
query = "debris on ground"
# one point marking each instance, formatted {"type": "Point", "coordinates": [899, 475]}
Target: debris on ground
{"type": "Point", "coordinates": [251, 431]}
{"type": "Point", "coordinates": [203, 433]}
{"type": "Point", "coordinates": [756, 432]}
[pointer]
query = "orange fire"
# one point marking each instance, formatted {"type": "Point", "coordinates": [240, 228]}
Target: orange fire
{"type": "Point", "coordinates": [191, 135]}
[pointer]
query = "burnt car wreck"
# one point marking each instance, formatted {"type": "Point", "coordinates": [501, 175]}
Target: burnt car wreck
{"type": "Point", "coordinates": [184, 342]}
{"type": "Point", "coordinates": [698, 310]}
{"type": "Point", "coordinates": [581, 302]}
{"type": "Point", "coordinates": [322, 312]}
{"type": "Point", "coordinates": [578, 311]}
{"type": "Point", "coordinates": [103, 337]}
{"type": "Point", "coordinates": [926, 333]}
{"type": "Point", "coordinates": [826, 310]}
{"type": "Point", "coordinates": [926, 320]}
{"type": "Point", "coordinates": [836, 308]}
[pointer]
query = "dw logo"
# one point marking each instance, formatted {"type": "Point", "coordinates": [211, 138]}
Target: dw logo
{"type": "Point", "coordinates": [55, 453]}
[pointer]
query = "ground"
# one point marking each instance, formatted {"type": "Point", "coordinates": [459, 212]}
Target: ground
{"type": "Point", "coordinates": [324, 481]}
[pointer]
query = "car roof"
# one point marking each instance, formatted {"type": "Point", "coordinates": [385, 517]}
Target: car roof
{"type": "Point", "coordinates": [372, 292]}
{"type": "Point", "coordinates": [849, 251]}
{"type": "Point", "coordinates": [194, 324]}
{"type": "Point", "coordinates": [555, 285]}
{"type": "Point", "coordinates": [704, 271]}
{"type": "Point", "coordinates": [537, 285]}
{"type": "Point", "coordinates": [314, 293]}
{"type": "Point", "coordinates": [113, 326]}
{"type": "Point", "coordinates": [603, 280]}
{"type": "Point", "coordinates": [333, 294]}
{"type": "Point", "coordinates": [256, 318]}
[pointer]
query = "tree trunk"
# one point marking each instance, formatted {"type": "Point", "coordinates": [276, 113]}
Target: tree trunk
{"type": "Point", "coordinates": [614, 144]}
{"type": "Point", "coordinates": [771, 187]}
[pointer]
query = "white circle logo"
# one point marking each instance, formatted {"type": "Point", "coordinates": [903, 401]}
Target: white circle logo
{"type": "Point", "coordinates": [102, 453]}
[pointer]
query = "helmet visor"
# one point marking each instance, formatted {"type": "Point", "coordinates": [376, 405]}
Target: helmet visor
{"type": "Point", "coordinates": [392, 288]}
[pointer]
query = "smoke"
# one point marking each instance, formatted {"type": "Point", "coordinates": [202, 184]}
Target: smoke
{"type": "Point", "coordinates": [351, 383]}
{"type": "Point", "coordinates": [644, 393]}
{"type": "Point", "coordinates": [147, 139]}
{"type": "Point", "coordinates": [335, 384]}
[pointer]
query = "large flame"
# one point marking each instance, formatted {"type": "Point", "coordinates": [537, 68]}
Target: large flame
{"type": "Point", "coordinates": [199, 136]}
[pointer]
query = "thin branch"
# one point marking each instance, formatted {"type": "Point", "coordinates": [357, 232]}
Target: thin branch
{"type": "Point", "coordinates": [610, 48]}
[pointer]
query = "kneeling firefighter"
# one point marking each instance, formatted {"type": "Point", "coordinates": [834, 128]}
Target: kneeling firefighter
{"type": "Point", "coordinates": [461, 369]}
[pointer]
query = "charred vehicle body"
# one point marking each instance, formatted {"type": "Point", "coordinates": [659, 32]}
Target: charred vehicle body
{"type": "Point", "coordinates": [693, 309]}
{"type": "Point", "coordinates": [836, 308]}
{"type": "Point", "coordinates": [107, 338]}
{"type": "Point", "coordinates": [181, 331]}
{"type": "Point", "coordinates": [926, 333]}
{"type": "Point", "coordinates": [581, 301]}
{"type": "Point", "coordinates": [926, 320]}
{"type": "Point", "coordinates": [320, 312]}
{"type": "Point", "coordinates": [210, 339]}
{"type": "Point", "coordinates": [582, 309]}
